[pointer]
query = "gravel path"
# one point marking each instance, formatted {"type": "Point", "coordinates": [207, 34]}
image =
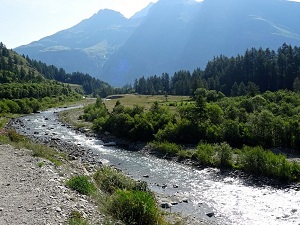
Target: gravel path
{"type": "Point", "coordinates": [36, 195]}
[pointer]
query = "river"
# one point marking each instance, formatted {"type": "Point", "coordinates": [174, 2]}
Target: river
{"type": "Point", "coordinates": [197, 192]}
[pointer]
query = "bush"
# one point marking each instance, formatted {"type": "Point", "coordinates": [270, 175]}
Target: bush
{"type": "Point", "coordinates": [15, 137]}
{"type": "Point", "coordinates": [133, 207]}
{"type": "Point", "coordinates": [76, 219]}
{"type": "Point", "coordinates": [81, 184]}
{"type": "Point", "coordinates": [262, 162]}
{"type": "Point", "coordinates": [224, 154]}
{"type": "Point", "coordinates": [109, 180]}
{"type": "Point", "coordinates": [204, 154]}
{"type": "Point", "coordinates": [166, 147]}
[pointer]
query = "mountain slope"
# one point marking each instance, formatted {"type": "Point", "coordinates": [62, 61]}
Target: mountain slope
{"type": "Point", "coordinates": [86, 46]}
{"type": "Point", "coordinates": [185, 35]}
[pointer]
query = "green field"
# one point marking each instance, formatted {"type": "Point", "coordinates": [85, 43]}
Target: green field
{"type": "Point", "coordinates": [129, 100]}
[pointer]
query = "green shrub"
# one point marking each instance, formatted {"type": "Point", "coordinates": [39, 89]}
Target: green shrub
{"type": "Point", "coordinates": [109, 180]}
{"type": "Point", "coordinates": [133, 207]}
{"type": "Point", "coordinates": [204, 154]}
{"type": "Point", "coordinates": [76, 219]}
{"type": "Point", "coordinates": [258, 161]}
{"type": "Point", "coordinates": [81, 184]}
{"type": "Point", "coordinates": [166, 147]}
{"type": "Point", "coordinates": [15, 137]}
{"type": "Point", "coordinates": [224, 154]}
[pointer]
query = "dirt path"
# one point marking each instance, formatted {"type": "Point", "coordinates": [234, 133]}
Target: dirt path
{"type": "Point", "coordinates": [32, 191]}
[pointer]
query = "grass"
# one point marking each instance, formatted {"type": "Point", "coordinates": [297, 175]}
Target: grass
{"type": "Point", "coordinates": [71, 117]}
{"type": "Point", "coordinates": [19, 141]}
{"type": "Point", "coordinates": [40, 164]}
{"type": "Point", "coordinates": [127, 200]}
{"type": "Point", "coordinates": [76, 218]}
{"type": "Point", "coordinates": [3, 121]}
{"type": "Point", "coordinates": [81, 184]}
{"type": "Point", "coordinates": [130, 100]}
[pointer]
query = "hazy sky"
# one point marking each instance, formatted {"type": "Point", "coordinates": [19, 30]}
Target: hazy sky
{"type": "Point", "coordinates": [24, 21]}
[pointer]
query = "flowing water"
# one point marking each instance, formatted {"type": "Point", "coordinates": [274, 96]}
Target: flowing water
{"type": "Point", "coordinates": [197, 192]}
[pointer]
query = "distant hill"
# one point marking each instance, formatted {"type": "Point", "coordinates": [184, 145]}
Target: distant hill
{"type": "Point", "coordinates": [168, 36]}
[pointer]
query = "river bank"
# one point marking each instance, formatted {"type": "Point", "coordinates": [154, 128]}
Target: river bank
{"type": "Point", "coordinates": [33, 191]}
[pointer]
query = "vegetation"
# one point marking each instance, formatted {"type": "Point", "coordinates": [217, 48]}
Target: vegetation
{"type": "Point", "coordinates": [77, 219]}
{"type": "Point", "coordinates": [81, 184]}
{"type": "Point", "coordinates": [127, 200]}
{"type": "Point", "coordinates": [87, 84]}
{"type": "Point", "coordinates": [130, 100]}
{"type": "Point", "coordinates": [19, 141]}
{"type": "Point", "coordinates": [109, 180]}
{"type": "Point", "coordinates": [221, 125]}
{"type": "Point", "coordinates": [133, 207]}
{"type": "Point", "coordinates": [25, 90]}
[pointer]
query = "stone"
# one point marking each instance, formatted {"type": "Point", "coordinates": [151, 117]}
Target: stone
{"type": "Point", "coordinates": [165, 205]}
{"type": "Point", "coordinates": [211, 214]}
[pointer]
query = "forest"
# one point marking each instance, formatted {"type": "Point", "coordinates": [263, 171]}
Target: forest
{"type": "Point", "coordinates": [256, 70]}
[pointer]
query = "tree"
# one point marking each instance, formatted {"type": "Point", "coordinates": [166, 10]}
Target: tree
{"type": "Point", "coordinates": [234, 90]}
{"type": "Point", "coordinates": [296, 85]}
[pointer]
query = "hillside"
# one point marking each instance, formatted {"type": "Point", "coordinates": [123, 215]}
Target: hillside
{"type": "Point", "coordinates": [172, 36]}
{"type": "Point", "coordinates": [29, 86]}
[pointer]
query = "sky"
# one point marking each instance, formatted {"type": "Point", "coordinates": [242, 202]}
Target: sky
{"type": "Point", "coordinates": [25, 21]}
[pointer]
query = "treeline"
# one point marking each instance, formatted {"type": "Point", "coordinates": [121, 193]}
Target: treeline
{"type": "Point", "coordinates": [256, 70]}
{"type": "Point", "coordinates": [89, 84]}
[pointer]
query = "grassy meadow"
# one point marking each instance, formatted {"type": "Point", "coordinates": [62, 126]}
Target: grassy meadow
{"type": "Point", "coordinates": [129, 100]}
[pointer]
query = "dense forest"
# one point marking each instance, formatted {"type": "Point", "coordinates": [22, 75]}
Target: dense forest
{"type": "Point", "coordinates": [256, 70]}
{"type": "Point", "coordinates": [25, 90]}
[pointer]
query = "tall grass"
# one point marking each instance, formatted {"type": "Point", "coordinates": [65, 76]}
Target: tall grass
{"type": "Point", "coordinates": [133, 207]}
{"type": "Point", "coordinates": [258, 161]}
{"type": "Point", "coordinates": [38, 150]}
{"type": "Point", "coordinates": [109, 180]}
{"type": "Point", "coordinates": [166, 147]}
{"type": "Point", "coordinates": [127, 200]}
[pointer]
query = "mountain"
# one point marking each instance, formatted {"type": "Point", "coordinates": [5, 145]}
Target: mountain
{"type": "Point", "coordinates": [86, 46]}
{"type": "Point", "coordinates": [168, 36]}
